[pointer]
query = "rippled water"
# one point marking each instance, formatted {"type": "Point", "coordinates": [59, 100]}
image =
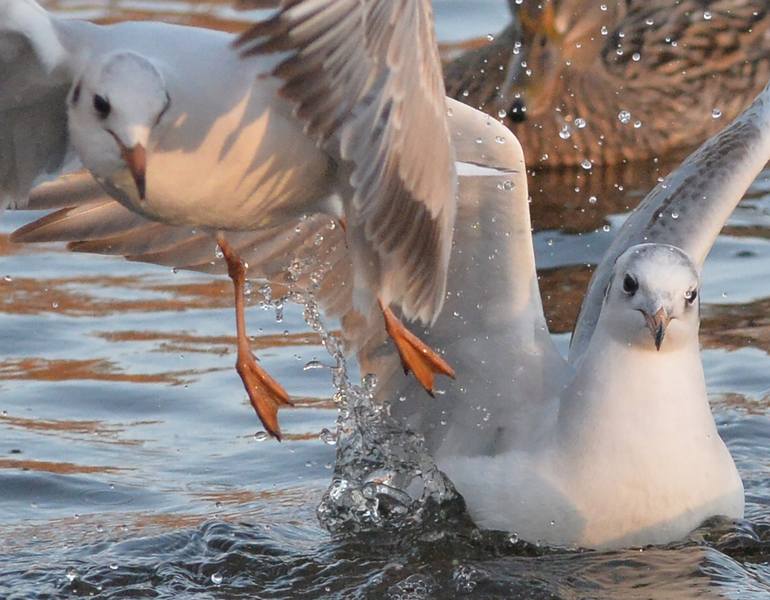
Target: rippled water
{"type": "Point", "coordinates": [129, 465]}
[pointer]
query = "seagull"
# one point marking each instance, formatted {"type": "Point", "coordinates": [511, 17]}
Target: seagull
{"type": "Point", "coordinates": [614, 446]}
{"type": "Point", "coordinates": [333, 107]}
{"type": "Point", "coordinates": [617, 81]}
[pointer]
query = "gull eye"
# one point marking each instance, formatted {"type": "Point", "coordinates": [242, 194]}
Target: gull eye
{"type": "Point", "coordinates": [630, 284]}
{"type": "Point", "coordinates": [690, 296]}
{"type": "Point", "coordinates": [102, 106]}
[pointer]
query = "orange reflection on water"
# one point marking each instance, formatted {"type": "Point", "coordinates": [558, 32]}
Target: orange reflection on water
{"type": "Point", "coordinates": [60, 468]}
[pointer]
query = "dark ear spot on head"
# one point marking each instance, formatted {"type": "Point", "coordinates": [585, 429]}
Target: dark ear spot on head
{"type": "Point", "coordinates": [76, 93]}
{"type": "Point", "coordinates": [102, 106]}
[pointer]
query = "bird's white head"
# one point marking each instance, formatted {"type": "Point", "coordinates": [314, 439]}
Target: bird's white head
{"type": "Point", "coordinates": [113, 109]}
{"type": "Point", "coordinates": [652, 300]}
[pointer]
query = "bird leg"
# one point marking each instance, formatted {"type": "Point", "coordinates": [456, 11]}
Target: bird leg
{"type": "Point", "coordinates": [416, 356]}
{"type": "Point", "coordinates": [265, 393]}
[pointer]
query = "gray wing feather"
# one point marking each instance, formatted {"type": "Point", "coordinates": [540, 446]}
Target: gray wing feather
{"type": "Point", "coordinates": [365, 76]}
{"type": "Point", "coordinates": [93, 222]}
{"type": "Point", "coordinates": [34, 81]}
{"type": "Point", "coordinates": [689, 207]}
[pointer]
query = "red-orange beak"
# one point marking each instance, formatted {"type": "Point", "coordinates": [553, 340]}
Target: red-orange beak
{"type": "Point", "coordinates": [657, 324]}
{"type": "Point", "coordinates": [136, 159]}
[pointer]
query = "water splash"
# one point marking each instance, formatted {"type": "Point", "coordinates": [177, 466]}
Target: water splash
{"type": "Point", "coordinates": [384, 478]}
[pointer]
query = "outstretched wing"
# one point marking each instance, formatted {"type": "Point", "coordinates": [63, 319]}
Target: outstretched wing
{"type": "Point", "coordinates": [34, 81]}
{"type": "Point", "coordinates": [492, 329]}
{"type": "Point", "coordinates": [308, 254]}
{"type": "Point", "coordinates": [689, 207]}
{"type": "Point", "coordinates": [365, 76]}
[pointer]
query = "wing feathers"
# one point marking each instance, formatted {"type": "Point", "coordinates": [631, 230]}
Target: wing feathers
{"type": "Point", "coordinates": [365, 78]}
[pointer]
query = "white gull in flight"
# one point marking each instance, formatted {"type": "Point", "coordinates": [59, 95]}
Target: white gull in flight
{"type": "Point", "coordinates": [329, 106]}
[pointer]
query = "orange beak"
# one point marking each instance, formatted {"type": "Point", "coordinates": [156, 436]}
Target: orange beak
{"type": "Point", "coordinates": [657, 324]}
{"type": "Point", "coordinates": [136, 159]}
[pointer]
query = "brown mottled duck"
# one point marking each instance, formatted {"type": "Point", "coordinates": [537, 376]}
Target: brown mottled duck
{"type": "Point", "coordinates": [584, 81]}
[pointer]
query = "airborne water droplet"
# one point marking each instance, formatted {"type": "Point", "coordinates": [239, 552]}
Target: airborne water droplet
{"type": "Point", "coordinates": [624, 117]}
{"type": "Point", "coordinates": [261, 436]}
{"type": "Point", "coordinates": [216, 578]}
{"type": "Point", "coordinates": [327, 437]}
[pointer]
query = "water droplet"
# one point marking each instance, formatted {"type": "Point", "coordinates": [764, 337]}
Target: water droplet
{"type": "Point", "coordinates": [113, 566]}
{"type": "Point", "coordinates": [606, 228]}
{"type": "Point", "coordinates": [637, 124]}
{"type": "Point", "coordinates": [501, 113]}
{"type": "Point", "coordinates": [500, 139]}
{"type": "Point", "coordinates": [216, 578]}
{"type": "Point", "coordinates": [313, 364]}
{"type": "Point", "coordinates": [706, 15]}
{"type": "Point", "coordinates": [675, 215]}
{"type": "Point", "coordinates": [586, 164]}
{"type": "Point", "coordinates": [479, 140]}
{"type": "Point", "coordinates": [490, 37]}
{"type": "Point", "coordinates": [604, 30]}
{"type": "Point", "coordinates": [565, 132]}
{"type": "Point", "coordinates": [636, 57]}
{"type": "Point", "coordinates": [327, 437]}
{"type": "Point", "coordinates": [624, 117]}
{"type": "Point", "coordinates": [716, 113]}
{"type": "Point", "coordinates": [71, 574]}
{"type": "Point", "coordinates": [8, 278]}
{"type": "Point", "coordinates": [261, 436]}
{"type": "Point", "coordinates": [592, 200]}
{"type": "Point", "coordinates": [580, 123]}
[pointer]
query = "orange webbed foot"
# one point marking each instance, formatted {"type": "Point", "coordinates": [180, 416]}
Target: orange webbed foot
{"type": "Point", "coordinates": [265, 393]}
{"type": "Point", "coordinates": [416, 355]}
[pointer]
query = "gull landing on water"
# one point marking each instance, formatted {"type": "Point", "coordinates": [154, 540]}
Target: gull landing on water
{"type": "Point", "coordinates": [616, 446]}
{"type": "Point", "coordinates": [196, 129]}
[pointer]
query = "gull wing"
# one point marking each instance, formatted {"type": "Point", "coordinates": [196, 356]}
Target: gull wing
{"type": "Point", "coordinates": [365, 77]}
{"type": "Point", "coordinates": [492, 329]}
{"type": "Point", "coordinates": [689, 207]}
{"type": "Point", "coordinates": [34, 81]}
{"type": "Point", "coordinates": [309, 253]}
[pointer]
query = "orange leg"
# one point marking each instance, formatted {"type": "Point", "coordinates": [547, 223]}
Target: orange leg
{"type": "Point", "coordinates": [415, 355]}
{"type": "Point", "coordinates": [265, 393]}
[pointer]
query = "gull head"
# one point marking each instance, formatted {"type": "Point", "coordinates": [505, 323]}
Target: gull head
{"type": "Point", "coordinates": [113, 110]}
{"type": "Point", "coordinates": [652, 300]}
